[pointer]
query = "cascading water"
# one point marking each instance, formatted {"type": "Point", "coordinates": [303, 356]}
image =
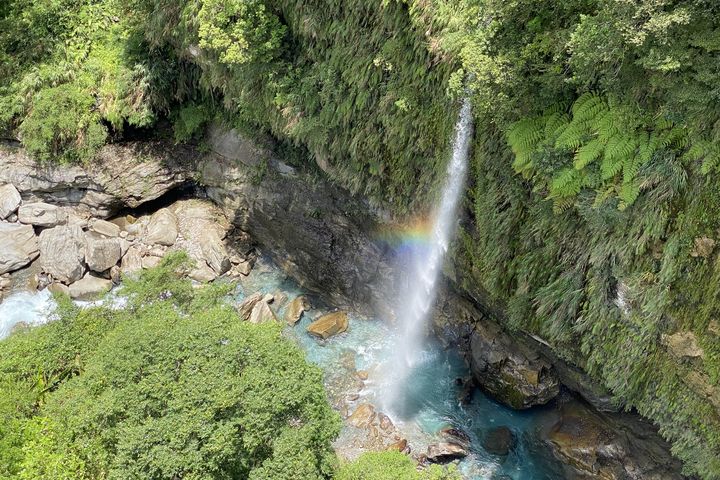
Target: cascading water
{"type": "Point", "coordinates": [424, 267]}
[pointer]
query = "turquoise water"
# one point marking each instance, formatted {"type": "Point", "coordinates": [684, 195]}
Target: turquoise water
{"type": "Point", "coordinates": [431, 395]}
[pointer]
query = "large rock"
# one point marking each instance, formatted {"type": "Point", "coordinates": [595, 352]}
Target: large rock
{"type": "Point", "coordinates": [513, 376]}
{"type": "Point", "coordinates": [445, 452]}
{"type": "Point", "coordinates": [162, 228]}
{"type": "Point", "coordinates": [89, 287]}
{"type": "Point", "coordinates": [262, 313]}
{"type": "Point", "coordinates": [9, 200]}
{"type": "Point", "coordinates": [499, 441]}
{"type": "Point", "coordinates": [295, 310]}
{"type": "Point", "coordinates": [132, 260]}
{"type": "Point", "coordinates": [42, 214]}
{"type": "Point", "coordinates": [125, 175]}
{"type": "Point", "coordinates": [18, 246]}
{"type": "Point", "coordinates": [62, 253]}
{"type": "Point", "coordinates": [105, 228]}
{"type": "Point", "coordinates": [245, 308]}
{"type": "Point", "coordinates": [101, 253]}
{"type": "Point", "coordinates": [363, 416]}
{"type": "Point", "coordinates": [202, 229]}
{"type": "Point", "coordinates": [683, 344]}
{"type": "Point", "coordinates": [329, 325]}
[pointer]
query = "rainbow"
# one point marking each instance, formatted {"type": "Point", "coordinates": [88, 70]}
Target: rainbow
{"type": "Point", "coordinates": [412, 236]}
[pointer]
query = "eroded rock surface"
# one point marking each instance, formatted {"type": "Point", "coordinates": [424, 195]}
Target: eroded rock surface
{"type": "Point", "coordinates": [62, 253]}
{"type": "Point", "coordinates": [9, 200]}
{"type": "Point", "coordinates": [18, 246]}
{"type": "Point", "coordinates": [329, 325]}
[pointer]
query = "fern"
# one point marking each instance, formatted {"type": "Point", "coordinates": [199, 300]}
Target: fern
{"type": "Point", "coordinates": [588, 153]}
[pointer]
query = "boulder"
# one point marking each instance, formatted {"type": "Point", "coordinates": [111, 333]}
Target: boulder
{"type": "Point", "coordinates": [18, 246]}
{"type": "Point", "coordinates": [455, 435]}
{"type": "Point", "coordinates": [363, 416]}
{"type": "Point", "coordinates": [202, 228]}
{"type": "Point", "coordinates": [42, 214]}
{"type": "Point", "coordinates": [683, 344]}
{"type": "Point", "coordinates": [59, 289]}
{"type": "Point", "coordinates": [262, 313]}
{"type": "Point", "coordinates": [499, 441]}
{"type": "Point", "coordinates": [246, 307]}
{"type": "Point", "coordinates": [105, 228]}
{"type": "Point", "coordinates": [151, 261]}
{"type": "Point", "coordinates": [132, 260]}
{"type": "Point", "coordinates": [399, 446]}
{"type": "Point", "coordinates": [445, 452]}
{"type": "Point", "coordinates": [510, 374]}
{"type": "Point", "coordinates": [89, 287]}
{"type": "Point", "coordinates": [9, 200]}
{"type": "Point", "coordinates": [162, 228]}
{"type": "Point", "coordinates": [329, 325]}
{"type": "Point", "coordinates": [62, 253]}
{"type": "Point", "coordinates": [203, 274]}
{"type": "Point", "coordinates": [295, 310]}
{"type": "Point", "coordinates": [702, 247]}
{"type": "Point", "coordinates": [101, 253]}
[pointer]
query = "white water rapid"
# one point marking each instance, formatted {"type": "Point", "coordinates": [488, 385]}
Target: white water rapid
{"type": "Point", "coordinates": [424, 268]}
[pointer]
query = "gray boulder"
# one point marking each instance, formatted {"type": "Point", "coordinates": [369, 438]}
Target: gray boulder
{"type": "Point", "coordinates": [104, 227]}
{"type": "Point", "coordinates": [9, 200]}
{"type": "Point", "coordinates": [101, 253]}
{"type": "Point", "coordinates": [162, 228]}
{"type": "Point", "coordinates": [18, 246]}
{"type": "Point", "coordinates": [42, 214]}
{"type": "Point", "coordinates": [62, 253]}
{"type": "Point", "coordinates": [89, 287]}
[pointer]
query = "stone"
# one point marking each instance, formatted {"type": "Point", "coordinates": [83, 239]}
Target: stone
{"type": "Point", "coordinates": [510, 374]}
{"type": "Point", "coordinates": [683, 344]}
{"type": "Point", "coordinates": [89, 287]}
{"type": "Point", "coordinates": [385, 422]}
{"type": "Point", "coordinates": [363, 416]}
{"type": "Point", "coordinates": [499, 441]}
{"type": "Point", "coordinates": [162, 228]}
{"type": "Point", "coordinates": [455, 435]}
{"type": "Point", "coordinates": [18, 246]}
{"type": "Point", "coordinates": [295, 310]}
{"type": "Point", "coordinates": [62, 253]}
{"type": "Point", "coordinates": [41, 214]}
{"type": "Point", "coordinates": [445, 452]}
{"type": "Point", "coordinates": [202, 228]}
{"type": "Point", "coordinates": [363, 374]}
{"type": "Point", "coordinates": [244, 268]}
{"type": "Point", "coordinates": [104, 227]}
{"type": "Point", "coordinates": [262, 313]}
{"type": "Point", "coordinates": [151, 261]}
{"type": "Point", "coordinates": [399, 446]}
{"type": "Point", "coordinates": [703, 247]}
{"type": "Point", "coordinates": [329, 325]}
{"type": "Point", "coordinates": [132, 260]}
{"type": "Point", "coordinates": [101, 253]}
{"type": "Point", "coordinates": [246, 307]}
{"type": "Point", "coordinates": [58, 288]}
{"type": "Point", "coordinates": [9, 200]}
{"type": "Point", "coordinates": [203, 274]}
{"type": "Point", "coordinates": [115, 275]}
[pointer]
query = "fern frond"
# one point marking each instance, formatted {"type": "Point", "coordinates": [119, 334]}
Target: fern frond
{"type": "Point", "coordinates": [628, 194]}
{"type": "Point", "coordinates": [554, 122]}
{"type": "Point", "coordinates": [608, 125]}
{"type": "Point", "coordinates": [587, 154]}
{"type": "Point", "coordinates": [566, 183]}
{"type": "Point", "coordinates": [571, 137]}
{"type": "Point", "coordinates": [588, 107]}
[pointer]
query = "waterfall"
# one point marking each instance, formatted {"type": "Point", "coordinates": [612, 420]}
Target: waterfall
{"type": "Point", "coordinates": [424, 267]}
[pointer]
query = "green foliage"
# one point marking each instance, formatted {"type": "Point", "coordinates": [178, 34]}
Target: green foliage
{"type": "Point", "coordinates": [395, 465]}
{"type": "Point", "coordinates": [174, 386]}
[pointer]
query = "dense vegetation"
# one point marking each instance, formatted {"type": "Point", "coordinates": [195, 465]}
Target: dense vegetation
{"type": "Point", "coordinates": [595, 156]}
{"type": "Point", "coordinates": [173, 386]}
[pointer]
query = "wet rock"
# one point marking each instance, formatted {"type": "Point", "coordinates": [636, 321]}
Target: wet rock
{"type": "Point", "coordinates": [18, 246]}
{"type": "Point", "coordinates": [329, 325]}
{"type": "Point", "coordinates": [162, 228]}
{"type": "Point", "coordinates": [295, 310]}
{"type": "Point", "coordinates": [499, 441]}
{"type": "Point", "coordinates": [89, 287]}
{"type": "Point", "coordinates": [262, 313]}
{"type": "Point", "coordinates": [385, 422]}
{"type": "Point", "coordinates": [517, 378]}
{"type": "Point", "coordinates": [62, 253]}
{"type": "Point", "coordinates": [9, 200]}
{"type": "Point", "coordinates": [399, 446]}
{"type": "Point", "coordinates": [455, 435]}
{"type": "Point", "coordinates": [246, 307]}
{"type": "Point", "coordinates": [363, 416]}
{"type": "Point", "coordinates": [363, 374]}
{"type": "Point", "coordinates": [59, 289]}
{"type": "Point", "coordinates": [445, 452]}
{"type": "Point", "coordinates": [132, 260]}
{"type": "Point", "coordinates": [683, 344]}
{"type": "Point", "coordinates": [105, 228]}
{"type": "Point", "coordinates": [41, 215]}
{"type": "Point", "coordinates": [101, 253]}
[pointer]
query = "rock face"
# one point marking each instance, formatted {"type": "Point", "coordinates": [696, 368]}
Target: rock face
{"type": "Point", "coordinates": [514, 377]}
{"type": "Point", "coordinates": [89, 287]}
{"type": "Point", "coordinates": [162, 228]}
{"type": "Point", "coordinates": [591, 446]}
{"type": "Point", "coordinates": [329, 325]}
{"type": "Point", "coordinates": [62, 253]}
{"type": "Point", "coordinates": [262, 313]}
{"type": "Point", "coordinates": [9, 200]}
{"type": "Point", "coordinates": [101, 253]}
{"type": "Point", "coordinates": [296, 309]}
{"type": "Point", "coordinates": [18, 246]}
{"type": "Point", "coordinates": [41, 214]}
{"type": "Point", "coordinates": [314, 231]}
{"type": "Point", "coordinates": [499, 441]}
